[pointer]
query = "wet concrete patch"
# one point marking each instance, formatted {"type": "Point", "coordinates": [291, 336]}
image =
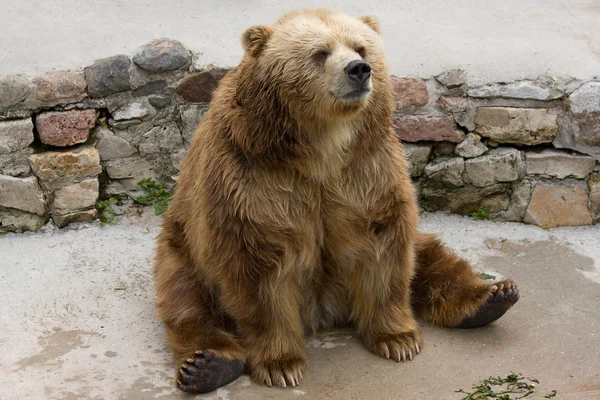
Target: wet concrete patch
{"type": "Point", "coordinates": [54, 345]}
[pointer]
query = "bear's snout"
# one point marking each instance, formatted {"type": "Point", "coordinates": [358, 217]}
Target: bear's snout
{"type": "Point", "coordinates": [358, 71]}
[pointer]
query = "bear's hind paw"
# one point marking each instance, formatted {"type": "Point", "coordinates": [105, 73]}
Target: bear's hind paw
{"type": "Point", "coordinates": [207, 371]}
{"type": "Point", "coordinates": [503, 296]}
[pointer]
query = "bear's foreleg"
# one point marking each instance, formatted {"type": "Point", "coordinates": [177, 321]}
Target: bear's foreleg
{"type": "Point", "coordinates": [381, 308]}
{"type": "Point", "coordinates": [267, 314]}
{"type": "Point", "coordinates": [449, 293]}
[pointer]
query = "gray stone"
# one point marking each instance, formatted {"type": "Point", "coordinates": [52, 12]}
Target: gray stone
{"type": "Point", "coordinates": [589, 129]}
{"type": "Point", "coordinates": [417, 155]}
{"type": "Point", "coordinates": [15, 135]}
{"type": "Point", "coordinates": [108, 76]}
{"type": "Point", "coordinates": [8, 114]}
{"type": "Point", "coordinates": [466, 119]}
{"type": "Point", "coordinates": [129, 168]}
{"type": "Point", "coordinates": [452, 79]}
{"type": "Point", "coordinates": [446, 171]}
{"type": "Point", "coordinates": [499, 165]}
{"type": "Point", "coordinates": [519, 200]}
{"type": "Point", "coordinates": [528, 126]}
{"type": "Point", "coordinates": [115, 188]}
{"type": "Point", "coordinates": [75, 197]}
{"type": "Point", "coordinates": [82, 216]}
{"type": "Point", "coordinates": [16, 164]}
{"type": "Point", "coordinates": [19, 221]}
{"type": "Point", "coordinates": [118, 100]}
{"type": "Point", "coordinates": [471, 147]}
{"type": "Point", "coordinates": [444, 148]}
{"type": "Point", "coordinates": [112, 147]}
{"type": "Point", "coordinates": [163, 55]}
{"type": "Point", "coordinates": [59, 85]}
{"type": "Point", "coordinates": [149, 88]}
{"type": "Point", "coordinates": [456, 92]}
{"type": "Point", "coordinates": [595, 203]}
{"type": "Point", "coordinates": [133, 134]}
{"type": "Point", "coordinates": [177, 159]}
{"type": "Point", "coordinates": [585, 106]}
{"type": "Point", "coordinates": [123, 124]}
{"type": "Point", "coordinates": [586, 99]}
{"type": "Point", "coordinates": [191, 115]}
{"type": "Point", "coordinates": [159, 138]}
{"type": "Point", "coordinates": [159, 101]}
{"type": "Point", "coordinates": [495, 203]}
{"type": "Point", "coordinates": [137, 109]}
{"type": "Point", "coordinates": [462, 200]}
{"type": "Point", "coordinates": [22, 194]}
{"type": "Point", "coordinates": [13, 89]}
{"type": "Point", "coordinates": [570, 136]}
{"type": "Point", "coordinates": [559, 164]}
{"type": "Point", "coordinates": [594, 182]}
{"type": "Point", "coordinates": [517, 90]}
{"type": "Point", "coordinates": [594, 188]}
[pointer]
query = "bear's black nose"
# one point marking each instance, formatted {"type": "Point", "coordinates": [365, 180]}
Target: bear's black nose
{"type": "Point", "coordinates": [358, 71]}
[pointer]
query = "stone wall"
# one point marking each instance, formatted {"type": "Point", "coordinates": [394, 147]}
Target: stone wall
{"type": "Point", "coordinates": [520, 151]}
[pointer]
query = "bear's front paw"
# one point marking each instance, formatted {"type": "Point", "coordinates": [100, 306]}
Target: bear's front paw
{"type": "Point", "coordinates": [284, 371]}
{"type": "Point", "coordinates": [398, 346]}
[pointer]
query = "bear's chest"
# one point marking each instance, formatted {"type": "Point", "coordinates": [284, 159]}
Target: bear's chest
{"type": "Point", "coordinates": [331, 150]}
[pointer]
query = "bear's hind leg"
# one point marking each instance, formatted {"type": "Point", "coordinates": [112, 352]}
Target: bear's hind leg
{"type": "Point", "coordinates": [447, 292]}
{"type": "Point", "coordinates": [201, 337]}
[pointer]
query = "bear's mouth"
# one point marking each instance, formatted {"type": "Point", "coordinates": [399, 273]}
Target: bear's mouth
{"type": "Point", "coordinates": [356, 94]}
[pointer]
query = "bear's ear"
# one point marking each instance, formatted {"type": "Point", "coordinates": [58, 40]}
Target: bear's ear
{"type": "Point", "coordinates": [372, 22]}
{"type": "Point", "coordinates": [255, 38]}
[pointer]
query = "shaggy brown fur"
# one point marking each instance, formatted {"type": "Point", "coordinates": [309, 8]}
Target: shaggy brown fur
{"type": "Point", "coordinates": [294, 212]}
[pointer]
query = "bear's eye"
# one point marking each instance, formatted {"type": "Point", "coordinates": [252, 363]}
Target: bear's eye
{"type": "Point", "coordinates": [362, 52]}
{"type": "Point", "coordinates": [320, 56]}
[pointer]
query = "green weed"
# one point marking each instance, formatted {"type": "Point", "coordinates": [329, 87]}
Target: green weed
{"type": "Point", "coordinates": [481, 214]}
{"type": "Point", "coordinates": [503, 388]}
{"type": "Point", "coordinates": [156, 194]}
{"type": "Point", "coordinates": [106, 212]}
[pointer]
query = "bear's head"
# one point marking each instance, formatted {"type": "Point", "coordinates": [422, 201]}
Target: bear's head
{"type": "Point", "coordinates": [318, 64]}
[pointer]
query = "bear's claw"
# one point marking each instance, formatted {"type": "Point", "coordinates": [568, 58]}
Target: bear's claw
{"type": "Point", "coordinates": [503, 296]}
{"type": "Point", "coordinates": [206, 371]}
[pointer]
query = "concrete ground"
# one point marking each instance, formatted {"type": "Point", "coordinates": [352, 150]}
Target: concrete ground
{"type": "Point", "coordinates": [491, 40]}
{"type": "Point", "coordinates": [76, 321]}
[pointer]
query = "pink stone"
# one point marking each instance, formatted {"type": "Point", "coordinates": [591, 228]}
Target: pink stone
{"type": "Point", "coordinates": [65, 128]}
{"type": "Point", "coordinates": [415, 128]}
{"type": "Point", "coordinates": [552, 206]}
{"type": "Point", "coordinates": [409, 92]}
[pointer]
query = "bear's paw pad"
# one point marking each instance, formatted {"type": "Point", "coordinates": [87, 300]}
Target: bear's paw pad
{"type": "Point", "coordinates": [503, 296]}
{"type": "Point", "coordinates": [207, 371]}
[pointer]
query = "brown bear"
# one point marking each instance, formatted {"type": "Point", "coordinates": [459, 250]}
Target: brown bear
{"type": "Point", "coordinates": [294, 213]}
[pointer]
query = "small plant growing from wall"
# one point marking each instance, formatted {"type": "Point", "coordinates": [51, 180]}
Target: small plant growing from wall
{"type": "Point", "coordinates": [106, 212]}
{"type": "Point", "coordinates": [156, 194]}
{"type": "Point", "coordinates": [481, 214]}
